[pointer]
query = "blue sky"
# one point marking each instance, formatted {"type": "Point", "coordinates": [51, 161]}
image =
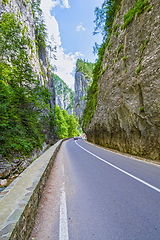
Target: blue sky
{"type": "Point", "coordinates": [70, 27]}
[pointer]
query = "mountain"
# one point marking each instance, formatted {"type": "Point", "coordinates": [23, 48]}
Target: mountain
{"type": "Point", "coordinates": [123, 107]}
{"type": "Point", "coordinates": [64, 95]}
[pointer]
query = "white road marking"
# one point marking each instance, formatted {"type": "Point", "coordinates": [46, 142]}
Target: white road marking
{"type": "Point", "coordinates": [138, 179]}
{"type": "Point", "coordinates": [121, 154]}
{"type": "Point", "coordinates": [62, 169]}
{"type": "Point", "coordinates": [63, 223]}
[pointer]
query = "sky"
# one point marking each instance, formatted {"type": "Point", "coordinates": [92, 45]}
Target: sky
{"type": "Point", "coordinates": [70, 25]}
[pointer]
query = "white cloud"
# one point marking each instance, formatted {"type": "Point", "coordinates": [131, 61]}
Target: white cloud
{"type": "Point", "coordinates": [65, 63]}
{"type": "Point", "coordinates": [80, 28]}
{"type": "Point", "coordinates": [62, 3]}
{"type": "Point", "coordinates": [65, 3]}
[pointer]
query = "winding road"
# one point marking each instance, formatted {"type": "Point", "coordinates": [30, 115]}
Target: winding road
{"type": "Point", "coordinates": [93, 193]}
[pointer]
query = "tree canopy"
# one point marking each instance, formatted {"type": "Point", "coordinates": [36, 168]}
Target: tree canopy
{"type": "Point", "coordinates": [85, 67]}
{"type": "Point", "coordinates": [22, 98]}
{"type": "Point", "coordinates": [67, 124]}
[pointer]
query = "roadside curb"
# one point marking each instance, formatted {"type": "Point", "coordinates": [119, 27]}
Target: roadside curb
{"type": "Point", "coordinates": [19, 201]}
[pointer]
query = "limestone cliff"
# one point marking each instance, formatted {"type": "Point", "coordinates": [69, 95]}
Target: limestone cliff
{"type": "Point", "coordinates": [127, 115]}
{"type": "Point", "coordinates": [64, 95]}
{"type": "Point", "coordinates": [83, 77]}
{"type": "Point", "coordinates": [80, 88]}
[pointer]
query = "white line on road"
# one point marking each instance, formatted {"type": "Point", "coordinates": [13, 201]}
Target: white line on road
{"type": "Point", "coordinates": [63, 223]}
{"type": "Point", "coordinates": [138, 179]}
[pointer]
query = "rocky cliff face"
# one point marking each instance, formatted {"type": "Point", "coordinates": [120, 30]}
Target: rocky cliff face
{"type": "Point", "coordinates": [64, 95]}
{"type": "Point", "coordinates": [127, 115]}
{"type": "Point", "coordinates": [81, 85]}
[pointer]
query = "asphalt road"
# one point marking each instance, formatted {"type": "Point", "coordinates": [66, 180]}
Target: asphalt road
{"type": "Point", "coordinates": [103, 196]}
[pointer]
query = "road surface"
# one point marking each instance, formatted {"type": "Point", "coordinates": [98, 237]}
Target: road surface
{"type": "Point", "coordinates": [97, 194]}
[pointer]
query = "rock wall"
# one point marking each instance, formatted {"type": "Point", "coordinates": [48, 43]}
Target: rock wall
{"type": "Point", "coordinates": [63, 101]}
{"type": "Point", "coordinates": [80, 88]}
{"type": "Point", "coordinates": [127, 115]}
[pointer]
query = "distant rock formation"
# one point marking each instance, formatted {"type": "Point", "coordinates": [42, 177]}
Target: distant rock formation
{"type": "Point", "coordinates": [80, 88]}
{"type": "Point", "coordinates": [83, 77]}
{"type": "Point", "coordinates": [64, 95]}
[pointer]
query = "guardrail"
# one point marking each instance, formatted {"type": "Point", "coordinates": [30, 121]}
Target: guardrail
{"type": "Point", "coordinates": [19, 201]}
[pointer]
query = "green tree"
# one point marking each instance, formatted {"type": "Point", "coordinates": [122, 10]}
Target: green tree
{"type": "Point", "coordinates": [40, 26]}
{"type": "Point", "coordinates": [85, 67]}
{"type": "Point", "coordinates": [22, 98]}
{"type": "Point", "coordinates": [67, 124]}
{"type": "Point", "coordinates": [73, 126]}
{"type": "Point", "coordinates": [62, 130]}
{"type": "Point", "coordinates": [105, 17]}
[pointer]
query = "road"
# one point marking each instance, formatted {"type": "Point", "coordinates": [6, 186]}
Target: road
{"type": "Point", "coordinates": [97, 194]}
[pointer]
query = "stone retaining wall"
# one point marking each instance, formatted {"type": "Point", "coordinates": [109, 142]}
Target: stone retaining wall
{"type": "Point", "coordinates": [19, 201]}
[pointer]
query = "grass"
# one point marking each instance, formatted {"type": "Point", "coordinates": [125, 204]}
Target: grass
{"type": "Point", "coordinates": [141, 109]}
{"type": "Point", "coordinates": [137, 9]}
{"type": "Point", "coordinates": [115, 27]}
{"type": "Point", "coordinates": [109, 45]}
{"type": "Point", "coordinates": [119, 48]}
{"type": "Point", "coordinates": [138, 69]}
{"type": "Point", "coordinates": [116, 34]}
{"type": "Point", "coordinates": [124, 58]}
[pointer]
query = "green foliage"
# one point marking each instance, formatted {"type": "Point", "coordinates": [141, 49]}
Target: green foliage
{"type": "Point", "coordinates": [137, 9]}
{"type": "Point", "coordinates": [124, 58]}
{"type": "Point", "coordinates": [62, 130]}
{"type": "Point", "coordinates": [105, 17]}
{"type": "Point", "coordinates": [140, 60]}
{"type": "Point", "coordinates": [141, 109]}
{"type": "Point", "coordinates": [116, 34]}
{"type": "Point", "coordinates": [144, 46]}
{"type": "Point", "coordinates": [67, 124]}
{"type": "Point", "coordinates": [138, 69]}
{"type": "Point", "coordinates": [40, 27]}
{"type": "Point", "coordinates": [109, 45]}
{"type": "Point", "coordinates": [73, 126]}
{"type": "Point", "coordinates": [85, 67]}
{"type": "Point", "coordinates": [149, 8]}
{"type": "Point", "coordinates": [119, 48]}
{"type": "Point", "coordinates": [115, 27]}
{"type": "Point", "coordinates": [4, 2]}
{"type": "Point", "coordinates": [22, 99]}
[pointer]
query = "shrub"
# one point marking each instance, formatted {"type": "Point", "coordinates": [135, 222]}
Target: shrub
{"type": "Point", "coordinates": [138, 69]}
{"type": "Point", "coordinates": [137, 9]}
{"type": "Point", "coordinates": [119, 48]}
